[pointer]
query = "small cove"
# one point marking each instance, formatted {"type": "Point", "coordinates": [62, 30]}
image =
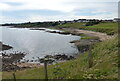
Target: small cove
{"type": "Point", "coordinates": [37, 43]}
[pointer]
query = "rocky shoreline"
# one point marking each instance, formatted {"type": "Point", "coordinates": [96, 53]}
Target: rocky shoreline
{"type": "Point", "coordinates": [59, 32]}
{"type": "Point", "coordinates": [83, 45]}
{"type": "Point", "coordinates": [12, 61]}
{"type": "Point", "coordinates": [4, 47]}
{"type": "Point", "coordinates": [9, 61]}
{"type": "Point", "coordinates": [56, 58]}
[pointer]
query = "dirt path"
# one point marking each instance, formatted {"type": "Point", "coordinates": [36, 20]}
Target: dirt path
{"type": "Point", "coordinates": [102, 36]}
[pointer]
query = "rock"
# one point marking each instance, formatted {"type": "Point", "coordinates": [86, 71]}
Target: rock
{"type": "Point", "coordinates": [51, 31]}
{"type": "Point", "coordinates": [9, 61]}
{"type": "Point", "coordinates": [84, 45]}
{"type": "Point", "coordinates": [48, 56]}
{"type": "Point", "coordinates": [37, 29]}
{"type": "Point", "coordinates": [41, 60]}
{"type": "Point", "coordinates": [4, 47]}
{"type": "Point", "coordinates": [10, 67]}
{"type": "Point", "coordinates": [74, 41]}
{"type": "Point", "coordinates": [65, 33]}
{"type": "Point", "coordinates": [54, 58]}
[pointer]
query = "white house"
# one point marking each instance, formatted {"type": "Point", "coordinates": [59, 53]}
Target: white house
{"type": "Point", "coordinates": [116, 19]}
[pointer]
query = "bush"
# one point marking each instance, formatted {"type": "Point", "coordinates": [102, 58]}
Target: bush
{"type": "Point", "coordinates": [91, 23]}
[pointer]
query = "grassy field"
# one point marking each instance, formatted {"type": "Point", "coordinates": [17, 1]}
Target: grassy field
{"type": "Point", "coordinates": [72, 25]}
{"type": "Point", "coordinates": [105, 27]}
{"type": "Point", "coordinates": [104, 59]}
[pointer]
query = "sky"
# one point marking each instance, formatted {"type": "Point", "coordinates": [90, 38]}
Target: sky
{"type": "Point", "coordinates": [18, 11]}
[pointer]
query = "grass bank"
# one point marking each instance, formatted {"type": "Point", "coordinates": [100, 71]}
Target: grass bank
{"type": "Point", "coordinates": [105, 27]}
{"type": "Point", "coordinates": [104, 59]}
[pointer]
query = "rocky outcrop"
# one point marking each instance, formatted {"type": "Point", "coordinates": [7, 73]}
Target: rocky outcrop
{"type": "Point", "coordinates": [54, 58]}
{"type": "Point", "coordinates": [9, 61]}
{"type": "Point", "coordinates": [4, 47]}
{"type": "Point", "coordinates": [84, 44]}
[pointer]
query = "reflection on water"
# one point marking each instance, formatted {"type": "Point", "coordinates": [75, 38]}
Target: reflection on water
{"type": "Point", "coordinates": [37, 43]}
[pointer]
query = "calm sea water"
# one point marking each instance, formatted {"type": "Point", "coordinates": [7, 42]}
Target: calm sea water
{"type": "Point", "coordinates": [37, 43]}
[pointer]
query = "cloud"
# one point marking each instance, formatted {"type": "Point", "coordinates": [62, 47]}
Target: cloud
{"type": "Point", "coordinates": [43, 10]}
{"type": "Point", "coordinates": [60, 5]}
{"type": "Point", "coordinates": [38, 4]}
{"type": "Point", "coordinates": [37, 18]}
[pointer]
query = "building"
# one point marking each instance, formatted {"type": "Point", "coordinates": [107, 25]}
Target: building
{"type": "Point", "coordinates": [116, 19]}
{"type": "Point", "coordinates": [82, 20]}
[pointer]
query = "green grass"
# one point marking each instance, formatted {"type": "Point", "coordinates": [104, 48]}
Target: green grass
{"type": "Point", "coordinates": [72, 25]}
{"type": "Point", "coordinates": [105, 60]}
{"type": "Point", "coordinates": [0, 75]}
{"type": "Point", "coordinates": [83, 36]}
{"type": "Point", "coordinates": [107, 27]}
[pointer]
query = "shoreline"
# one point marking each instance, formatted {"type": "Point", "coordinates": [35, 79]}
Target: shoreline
{"type": "Point", "coordinates": [88, 37]}
{"type": "Point", "coordinates": [4, 47]}
{"type": "Point", "coordinates": [82, 45]}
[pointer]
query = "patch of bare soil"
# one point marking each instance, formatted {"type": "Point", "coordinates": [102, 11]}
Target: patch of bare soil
{"type": "Point", "coordinates": [102, 36]}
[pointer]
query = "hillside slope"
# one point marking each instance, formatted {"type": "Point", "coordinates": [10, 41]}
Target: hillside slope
{"type": "Point", "coordinates": [104, 65]}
